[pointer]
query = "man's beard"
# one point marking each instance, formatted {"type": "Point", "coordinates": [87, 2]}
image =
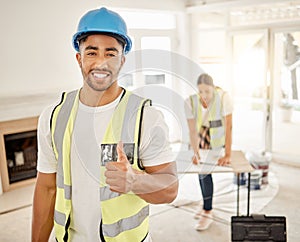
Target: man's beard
{"type": "Point", "coordinates": [106, 85]}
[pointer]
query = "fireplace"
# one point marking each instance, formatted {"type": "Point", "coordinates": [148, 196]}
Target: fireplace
{"type": "Point", "coordinates": [18, 152]}
{"type": "Point", "coordinates": [21, 155]}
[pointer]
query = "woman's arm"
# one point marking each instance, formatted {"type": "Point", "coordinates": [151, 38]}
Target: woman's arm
{"type": "Point", "coordinates": [225, 160]}
{"type": "Point", "coordinates": [194, 139]}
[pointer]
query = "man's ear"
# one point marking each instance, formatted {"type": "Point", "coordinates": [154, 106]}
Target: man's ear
{"type": "Point", "coordinates": [123, 59]}
{"type": "Point", "coordinates": [78, 58]}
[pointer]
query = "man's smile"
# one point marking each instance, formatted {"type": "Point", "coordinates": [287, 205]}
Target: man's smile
{"type": "Point", "coordinates": [100, 74]}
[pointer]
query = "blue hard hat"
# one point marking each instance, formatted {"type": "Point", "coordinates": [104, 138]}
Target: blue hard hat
{"type": "Point", "coordinates": [102, 21]}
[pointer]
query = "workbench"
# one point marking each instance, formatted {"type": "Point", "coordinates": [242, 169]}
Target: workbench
{"type": "Point", "coordinates": [209, 164]}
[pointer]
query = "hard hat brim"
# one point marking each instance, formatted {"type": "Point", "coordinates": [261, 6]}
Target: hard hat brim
{"type": "Point", "coordinates": [123, 38]}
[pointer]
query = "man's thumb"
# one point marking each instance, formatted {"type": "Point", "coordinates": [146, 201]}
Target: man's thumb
{"type": "Point", "coordinates": [121, 153]}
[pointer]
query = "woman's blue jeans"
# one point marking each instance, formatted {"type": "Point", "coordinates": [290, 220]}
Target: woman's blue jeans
{"type": "Point", "coordinates": [207, 189]}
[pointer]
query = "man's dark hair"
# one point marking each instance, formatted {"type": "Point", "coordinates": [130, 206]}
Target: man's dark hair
{"type": "Point", "coordinates": [82, 38]}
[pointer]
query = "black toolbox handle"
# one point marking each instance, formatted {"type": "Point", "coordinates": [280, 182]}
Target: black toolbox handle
{"type": "Point", "coordinates": [238, 195]}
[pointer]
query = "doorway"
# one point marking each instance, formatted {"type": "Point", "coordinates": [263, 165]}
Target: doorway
{"type": "Point", "coordinates": [249, 62]}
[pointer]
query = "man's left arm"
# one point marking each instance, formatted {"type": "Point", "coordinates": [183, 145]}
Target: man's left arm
{"type": "Point", "coordinates": [157, 184]}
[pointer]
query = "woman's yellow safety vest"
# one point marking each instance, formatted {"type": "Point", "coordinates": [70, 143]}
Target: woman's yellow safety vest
{"type": "Point", "coordinates": [125, 217]}
{"type": "Point", "coordinates": [215, 117]}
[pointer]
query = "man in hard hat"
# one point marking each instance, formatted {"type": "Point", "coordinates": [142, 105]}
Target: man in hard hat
{"type": "Point", "coordinates": [84, 197]}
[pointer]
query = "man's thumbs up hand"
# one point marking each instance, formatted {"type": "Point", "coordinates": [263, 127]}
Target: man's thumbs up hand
{"type": "Point", "coordinates": [122, 158]}
{"type": "Point", "coordinates": [120, 175]}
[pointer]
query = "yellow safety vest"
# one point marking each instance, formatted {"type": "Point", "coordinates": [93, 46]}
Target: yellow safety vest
{"type": "Point", "coordinates": [125, 217]}
{"type": "Point", "coordinates": [215, 117]}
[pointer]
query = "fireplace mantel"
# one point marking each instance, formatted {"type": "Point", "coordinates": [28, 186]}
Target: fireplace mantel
{"type": "Point", "coordinates": [19, 114]}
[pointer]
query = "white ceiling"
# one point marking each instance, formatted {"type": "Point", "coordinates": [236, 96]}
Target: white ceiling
{"type": "Point", "coordinates": [247, 12]}
{"type": "Point", "coordinates": [194, 5]}
{"type": "Point", "coordinates": [232, 2]}
{"type": "Point", "coordinates": [221, 5]}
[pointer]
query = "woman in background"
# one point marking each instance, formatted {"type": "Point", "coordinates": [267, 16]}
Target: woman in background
{"type": "Point", "coordinates": [209, 117]}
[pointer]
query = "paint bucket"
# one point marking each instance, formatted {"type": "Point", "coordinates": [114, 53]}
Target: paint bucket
{"type": "Point", "coordinates": [242, 179]}
{"type": "Point", "coordinates": [255, 180]}
{"type": "Point", "coordinates": [260, 161]}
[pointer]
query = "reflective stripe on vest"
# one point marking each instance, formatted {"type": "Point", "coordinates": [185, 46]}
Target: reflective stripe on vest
{"type": "Point", "coordinates": [215, 117]}
{"type": "Point", "coordinates": [113, 230]}
{"type": "Point", "coordinates": [128, 224]}
{"type": "Point", "coordinates": [62, 123]}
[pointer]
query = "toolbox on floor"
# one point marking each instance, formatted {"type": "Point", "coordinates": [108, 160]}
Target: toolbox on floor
{"type": "Point", "coordinates": [256, 227]}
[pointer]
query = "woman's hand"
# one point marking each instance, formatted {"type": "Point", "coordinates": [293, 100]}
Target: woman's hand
{"type": "Point", "coordinates": [225, 160]}
{"type": "Point", "coordinates": [196, 159]}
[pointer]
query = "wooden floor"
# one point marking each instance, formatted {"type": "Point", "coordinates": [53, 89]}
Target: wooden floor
{"type": "Point", "coordinates": [167, 223]}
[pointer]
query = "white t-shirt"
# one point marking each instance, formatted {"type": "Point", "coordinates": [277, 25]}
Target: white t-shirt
{"type": "Point", "coordinates": [89, 129]}
{"type": "Point", "coordinates": [227, 108]}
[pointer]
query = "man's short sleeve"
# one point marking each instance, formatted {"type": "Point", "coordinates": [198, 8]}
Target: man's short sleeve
{"type": "Point", "coordinates": [155, 146]}
{"type": "Point", "coordinates": [47, 162]}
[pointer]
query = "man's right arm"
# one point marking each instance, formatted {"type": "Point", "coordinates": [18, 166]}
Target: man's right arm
{"type": "Point", "coordinates": [43, 206]}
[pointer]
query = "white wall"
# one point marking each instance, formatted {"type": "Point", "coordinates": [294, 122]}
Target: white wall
{"type": "Point", "coordinates": [36, 54]}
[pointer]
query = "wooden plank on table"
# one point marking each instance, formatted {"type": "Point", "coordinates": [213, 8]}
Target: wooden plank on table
{"type": "Point", "coordinates": [239, 164]}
